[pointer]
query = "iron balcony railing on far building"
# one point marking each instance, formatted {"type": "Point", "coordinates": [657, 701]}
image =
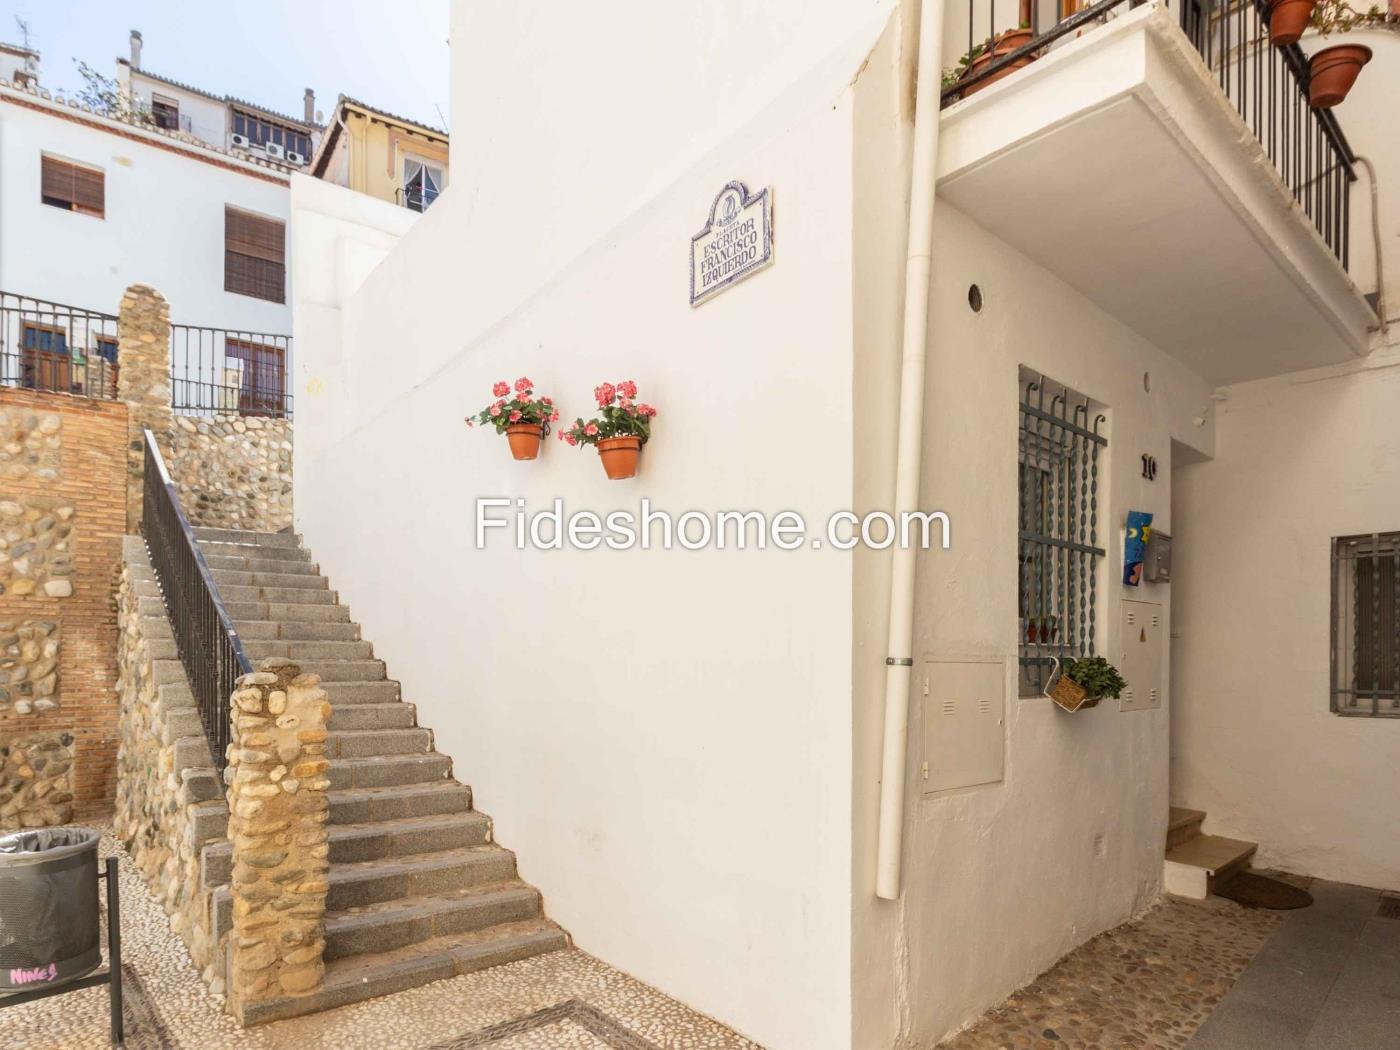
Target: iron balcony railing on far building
{"type": "Point", "coordinates": [224, 370]}
{"type": "Point", "coordinates": [205, 639]}
{"type": "Point", "coordinates": [1267, 85]}
{"type": "Point", "coordinates": [57, 348]}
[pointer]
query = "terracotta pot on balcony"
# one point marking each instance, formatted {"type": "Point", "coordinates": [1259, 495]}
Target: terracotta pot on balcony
{"type": "Point", "coordinates": [620, 456]}
{"type": "Point", "coordinates": [524, 439]}
{"type": "Point", "coordinates": [1332, 72]}
{"type": "Point", "coordinates": [1004, 44]}
{"type": "Point", "coordinates": [1288, 19]}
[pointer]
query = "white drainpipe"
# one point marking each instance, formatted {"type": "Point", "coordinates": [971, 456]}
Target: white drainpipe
{"type": "Point", "coordinates": [899, 662]}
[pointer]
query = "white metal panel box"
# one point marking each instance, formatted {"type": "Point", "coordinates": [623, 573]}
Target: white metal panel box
{"type": "Point", "coordinates": [964, 734]}
{"type": "Point", "coordinates": [1142, 631]}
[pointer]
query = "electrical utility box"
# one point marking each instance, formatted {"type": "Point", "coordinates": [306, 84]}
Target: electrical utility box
{"type": "Point", "coordinates": [1157, 563]}
{"type": "Point", "coordinates": [964, 724]}
{"type": "Point", "coordinates": [1143, 631]}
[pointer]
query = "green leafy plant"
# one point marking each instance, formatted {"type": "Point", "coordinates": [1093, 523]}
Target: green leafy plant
{"type": "Point", "coordinates": [619, 415]}
{"type": "Point", "coordinates": [1096, 676]}
{"type": "Point", "coordinates": [516, 406]}
{"type": "Point", "coordinates": [104, 95]}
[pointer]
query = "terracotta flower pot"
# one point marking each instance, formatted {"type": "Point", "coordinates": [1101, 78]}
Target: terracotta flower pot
{"type": "Point", "coordinates": [524, 440]}
{"type": "Point", "coordinates": [1004, 44]}
{"type": "Point", "coordinates": [620, 456]}
{"type": "Point", "coordinates": [1332, 72]}
{"type": "Point", "coordinates": [1288, 19]}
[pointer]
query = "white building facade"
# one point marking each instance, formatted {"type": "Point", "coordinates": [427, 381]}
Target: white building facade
{"type": "Point", "coordinates": [685, 747]}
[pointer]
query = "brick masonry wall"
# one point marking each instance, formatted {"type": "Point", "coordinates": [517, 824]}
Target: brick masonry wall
{"type": "Point", "coordinates": [63, 510]}
{"type": "Point", "coordinates": [234, 472]}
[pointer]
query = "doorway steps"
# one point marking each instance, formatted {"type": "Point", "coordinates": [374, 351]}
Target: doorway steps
{"type": "Point", "coordinates": [1195, 863]}
{"type": "Point", "coordinates": [419, 889]}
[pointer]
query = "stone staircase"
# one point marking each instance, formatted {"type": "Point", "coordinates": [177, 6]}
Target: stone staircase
{"type": "Point", "coordinates": [419, 890]}
{"type": "Point", "coordinates": [1195, 863]}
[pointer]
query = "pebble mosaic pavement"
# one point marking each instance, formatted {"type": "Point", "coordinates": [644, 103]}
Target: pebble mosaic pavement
{"type": "Point", "coordinates": [1146, 985]}
{"type": "Point", "coordinates": [566, 1000]}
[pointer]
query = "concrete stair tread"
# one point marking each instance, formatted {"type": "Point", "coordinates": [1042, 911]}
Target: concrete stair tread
{"type": "Point", "coordinates": [243, 536]}
{"type": "Point", "coordinates": [394, 714]}
{"type": "Point", "coordinates": [406, 825]}
{"type": "Point", "coordinates": [238, 562]}
{"type": "Point", "coordinates": [302, 649]}
{"type": "Point", "coordinates": [284, 580]}
{"type": "Point", "coordinates": [1181, 817]}
{"type": "Point", "coordinates": [427, 904]}
{"type": "Point", "coordinates": [277, 630]}
{"type": "Point", "coordinates": [1212, 853]}
{"type": "Point", "coordinates": [359, 977]}
{"type": "Point", "coordinates": [381, 772]}
{"type": "Point", "coordinates": [377, 743]}
{"type": "Point", "coordinates": [397, 800]}
{"type": "Point", "coordinates": [351, 870]}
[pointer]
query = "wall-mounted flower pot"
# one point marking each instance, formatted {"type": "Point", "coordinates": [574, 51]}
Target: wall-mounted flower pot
{"type": "Point", "coordinates": [1332, 72]}
{"type": "Point", "coordinates": [524, 439]}
{"type": "Point", "coordinates": [620, 456]}
{"type": "Point", "coordinates": [1004, 44]}
{"type": "Point", "coordinates": [1288, 19]}
{"type": "Point", "coordinates": [1070, 695]}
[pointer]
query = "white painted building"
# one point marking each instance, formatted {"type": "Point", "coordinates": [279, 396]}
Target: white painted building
{"type": "Point", "coordinates": [687, 748]}
{"type": "Point", "coordinates": [91, 204]}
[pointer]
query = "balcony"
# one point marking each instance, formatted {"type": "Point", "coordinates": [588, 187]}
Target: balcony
{"type": "Point", "coordinates": [1165, 163]}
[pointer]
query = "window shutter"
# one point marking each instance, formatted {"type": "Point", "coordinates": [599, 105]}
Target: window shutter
{"type": "Point", "coordinates": [72, 186]}
{"type": "Point", "coordinates": [254, 256]}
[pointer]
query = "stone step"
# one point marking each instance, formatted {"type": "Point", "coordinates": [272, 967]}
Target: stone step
{"type": "Point", "coordinates": [228, 578]}
{"type": "Point", "coordinates": [297, 631]}
{"type": "Point", "coordinates": [409, 920]}
{"type": "Point", "coordinates": [360, 977]}
{"type": "Point", "coordinates": [277, 595]}
{"type": "Point", "coordinates": [353, 844]}
{"type": "Point", "coordinates": [280, 555]}
{"type": "Point", "coordinates": [299, 650]}
{"type": "Point", "coordinates": [345, 670]}
{"type": "Point", "coordinates": [1201, 863]}
{"type": "Point", "coordinates": [369, 882]}
{"type": "Point", "coordinates": [238, 563]}
{"type": "Point", "coordinates": [367, 743]}
{"type": "Point", "coordinates": [257, 539]}
{"type": "Point", "coordinates": [280, 612]}
{"type": "Point", "coordinates": [389, 771]}
{"type": "Point", "coordinates": [382, 692]}
{"type": "Point", "coordinates": [397, 715]}
{"type": "Point", "coordinates": [1183, 825]}
{"type": "Point", "coordinates": [372, 805]}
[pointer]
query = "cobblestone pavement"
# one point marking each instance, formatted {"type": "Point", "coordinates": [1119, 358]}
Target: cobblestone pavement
{"type": "Point", "coordinates": [566, 1000]}
{"type": "Point", "coordinates": [1146, 985]}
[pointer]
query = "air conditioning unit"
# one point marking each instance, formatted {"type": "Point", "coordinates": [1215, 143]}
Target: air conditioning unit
{"type": "Point", "coordinates": [242, 142]}
{"type": "Point", "coordinates": [274, 150]}
{"type": "Point", "coordinates": [293, 157]}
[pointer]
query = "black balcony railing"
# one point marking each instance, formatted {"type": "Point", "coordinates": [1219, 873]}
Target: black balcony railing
{"type": "Point", "coordinates": [205, 638]}
{"type": "Point", "coordinates": [1267, 85]}
{"type": "Point", "coordinates": [57, 348]}
{"type": "Point", "coordinates": [223, 370]}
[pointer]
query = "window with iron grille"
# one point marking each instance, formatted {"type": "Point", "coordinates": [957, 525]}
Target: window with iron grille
{"type": "Point", "coordinates": [1366, 625]}
{"type": "Point", "coordinates": [1060, 439]}
{"type": "Point", "coordinates": [72, 187]}
{"type": "Point", "coordinates": [254, 255]}
{"type": "Point", "coordinates": [165, 112]}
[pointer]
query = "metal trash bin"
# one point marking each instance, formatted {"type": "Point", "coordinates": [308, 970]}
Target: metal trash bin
{"type": "Point", "coordinates": [49, 922]}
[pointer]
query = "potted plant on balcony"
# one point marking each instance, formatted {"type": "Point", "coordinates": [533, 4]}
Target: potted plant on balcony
{"type": "Point", "coordinates": [523, 418]}
{"type": "Point", "coordinates": [1288, 19]}
{"type": "Point", "coordinates": [621, 428]}
{"type": "Point", "coordinates": [1333, 70]}
{"type": "Point", "coordinates": [972, 63]}
{"type": "Point", "coordinates": [1084, 682]}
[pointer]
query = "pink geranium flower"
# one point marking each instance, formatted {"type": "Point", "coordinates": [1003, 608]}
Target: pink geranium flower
{"type": "Point", "coordinates": [501, 389]}
{"type": "Point", "coordinates": [646, 410]}
{"type": "Point", "coordinates": [591, 430]}
{"type": "Point", "coordinates": [605, 393]}
{"type": "Point", "coordinates": [627, 388]}
{"type": "Point", "coordinates": [495, 410]}
{"type": "Point", "coordinates": [515, 416]}
{"type": "Point", "coordinates": [522, 384]}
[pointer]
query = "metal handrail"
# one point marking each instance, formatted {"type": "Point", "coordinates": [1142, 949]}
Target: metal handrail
{"type": "Point", "coordinates": [205, 638]}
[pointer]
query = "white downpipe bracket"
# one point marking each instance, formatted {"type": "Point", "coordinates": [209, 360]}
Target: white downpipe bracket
{"type": "Point", "coordinates": [899, 660]}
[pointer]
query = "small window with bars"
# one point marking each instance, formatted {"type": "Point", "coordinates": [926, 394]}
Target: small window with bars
{"type": "Point", "coordinates": [1060, 440]}
{"type": "Point", "coordinates": [72, 187]}
{"type": "Point", "coordinates": [254, 255]}
{"type": "Point", "coordinates": [1366, 625]}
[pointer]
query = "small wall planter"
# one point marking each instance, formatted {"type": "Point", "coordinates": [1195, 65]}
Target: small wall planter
{"type": "Point", "coordinates": [1004, 44]}
{"type": "Point", "coordinates": [1333, 71]}
{"type": "Point", "coordinates": [524, 439]}
{"type": "Point", "coordinates": [1288, 19]}
{"type": "Point", "coordinates": [518, 414]}
{"type": "Point", "coordinates": [1080, 683]}
{"type": "Point", "coordinates": [621, 428]}
{"type": "Point", "coordinates": [1070, 695]}
{"type": "Point", "coordinates": [620, 456]}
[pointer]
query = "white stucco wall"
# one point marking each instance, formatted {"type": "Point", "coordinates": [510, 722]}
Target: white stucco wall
{"type": "Point", "coordinates": [663, 737]}
{"type": "Point", "coordinates": [1300, 459]}
{"type": "Point", "coordinates": [164, 222]}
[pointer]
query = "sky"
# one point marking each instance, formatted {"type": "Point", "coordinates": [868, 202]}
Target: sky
{"type": "Point", "coordinates": [391, 55]}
